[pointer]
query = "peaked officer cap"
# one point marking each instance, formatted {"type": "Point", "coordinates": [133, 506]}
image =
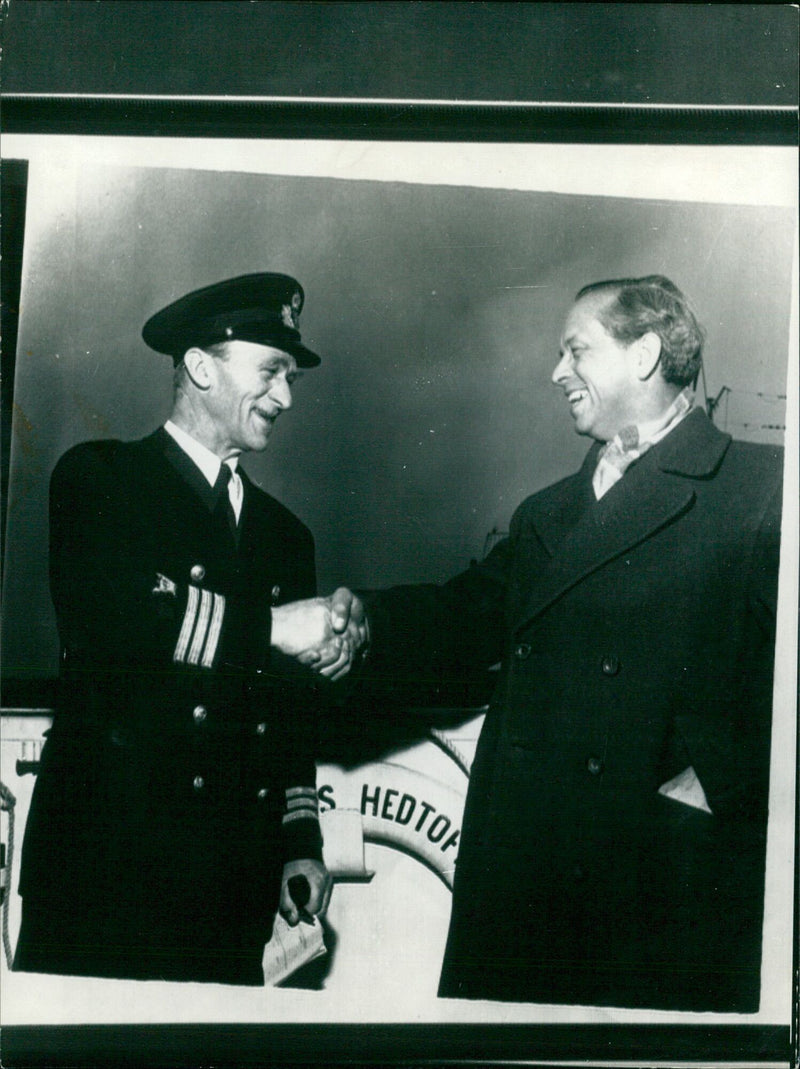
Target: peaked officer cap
{"type": "Point", "coordinates": [262, 308]}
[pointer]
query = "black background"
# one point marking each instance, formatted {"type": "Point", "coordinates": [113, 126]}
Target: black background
{"type": "Point", "coordinates": [721, 54]}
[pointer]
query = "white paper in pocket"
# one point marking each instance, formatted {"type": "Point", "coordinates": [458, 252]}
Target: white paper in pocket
{"type": "Point", "coordinates": [686, 788]}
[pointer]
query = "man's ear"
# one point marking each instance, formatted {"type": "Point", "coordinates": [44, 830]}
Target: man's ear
{"type": "Point", "coordinates": [196, 362]}
{"type": "Point", "coordinates": [648, 354]}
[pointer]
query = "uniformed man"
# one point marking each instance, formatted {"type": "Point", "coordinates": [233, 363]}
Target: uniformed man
{"type": "Point", "coordinates": [176, 794]}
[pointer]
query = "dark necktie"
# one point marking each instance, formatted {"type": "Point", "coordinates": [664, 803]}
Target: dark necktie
{"type": "Point", "coordinates": [223, 505]}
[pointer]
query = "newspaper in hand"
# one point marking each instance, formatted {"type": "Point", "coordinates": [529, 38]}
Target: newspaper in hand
{"type": "Point", "coordinates": [290, 947]}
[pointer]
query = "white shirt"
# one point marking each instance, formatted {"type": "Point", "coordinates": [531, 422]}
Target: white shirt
{"type": "Point", "coordinates": [209, 464]}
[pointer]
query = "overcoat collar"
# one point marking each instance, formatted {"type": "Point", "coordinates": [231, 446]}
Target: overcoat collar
{"type": "Point", "coordinates": [581, 535]}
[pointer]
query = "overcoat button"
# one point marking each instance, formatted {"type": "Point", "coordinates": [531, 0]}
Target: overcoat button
{"type": "Point", "coordinates": [262, 794]}
{"type": "Point", "coordinates": [610, 665]}
{"type": "Point", "coordinates": [198, 783]}
{"type": "Point", "coordinates": [261, 729]}
{"type": "Point", "coordinates": [594, 766]}
{"type": "Point", "coordinates": [199, 713]}
{"type": "Point", "coordinates": [522, 651]}
{"type": "Point", "coordinates": [198, 572]}
{"type": "Point", "coordinates": [276, 593]}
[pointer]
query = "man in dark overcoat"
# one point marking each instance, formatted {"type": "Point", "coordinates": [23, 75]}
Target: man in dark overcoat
{"type": "Point", "coordinates": [176, 794]}
{"type": "Point", "coordinates": [613, 843]}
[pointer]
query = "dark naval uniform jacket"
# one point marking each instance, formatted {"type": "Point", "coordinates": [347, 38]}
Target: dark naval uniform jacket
{"type": "Point", "coordinates": [178, 777]}
{"type": "Point", "coordinates": [636, 635]}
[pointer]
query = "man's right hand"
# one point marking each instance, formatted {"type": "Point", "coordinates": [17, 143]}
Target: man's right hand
{"type": "Point", "coordinates": [323, 633]}
{"type": "Point", "coordinates": [348, 616]}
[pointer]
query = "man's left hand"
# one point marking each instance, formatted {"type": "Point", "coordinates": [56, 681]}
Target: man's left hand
{"type": "Point", "coordinates": [320, 886]}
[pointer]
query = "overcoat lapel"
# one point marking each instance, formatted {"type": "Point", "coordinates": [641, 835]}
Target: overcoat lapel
{"type": "Point", "coordinates": [560, 508]}
{"type": "Point", "coordinates": [647, 499]}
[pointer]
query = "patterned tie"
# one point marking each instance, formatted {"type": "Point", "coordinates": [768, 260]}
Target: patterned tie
{"type": "Point", "coordinates": [615, 458]}
{"type": "Point", "coordinates": [224, 506]}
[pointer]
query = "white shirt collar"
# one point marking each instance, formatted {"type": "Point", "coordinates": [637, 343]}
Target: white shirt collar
{"type": "Point", "coordinates": [208, 462]}
{"type": "Point", "coordinates": [656, 429]}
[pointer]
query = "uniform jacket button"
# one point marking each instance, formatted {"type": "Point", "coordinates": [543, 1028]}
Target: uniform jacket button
{"type": "Point", "coordinates": [198, 783]}
{"type": "Point", "coordinates": [522, 651]}
{"type": "Point", "coordinates": [594, 766]}
{"type": "Point", "coordinates": [199, 713]}
{"type": "Point", "coordinates": [276, 593]}
{"type": "Point", "coordinates": [262, 794]}
{"type": "Point", "coordinates": [610, 665]}
{"type": "Point", "coordinates": [261, 729]}
{"type": "Point", "coordinates": [197, 572]}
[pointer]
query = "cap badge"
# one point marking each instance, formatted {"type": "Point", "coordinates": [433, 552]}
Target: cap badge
{"type": "Point", "coordinates": [290, 313]}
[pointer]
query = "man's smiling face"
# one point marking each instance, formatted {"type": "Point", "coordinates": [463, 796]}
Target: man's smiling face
{"type": "Point", "coordinates": [596, 373]}
{"type": "Point", "coordinates": [250, 387]}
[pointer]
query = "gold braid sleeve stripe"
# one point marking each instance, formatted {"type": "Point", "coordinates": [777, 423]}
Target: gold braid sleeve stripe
{"type": "Point", "coordinates": [202, 627]}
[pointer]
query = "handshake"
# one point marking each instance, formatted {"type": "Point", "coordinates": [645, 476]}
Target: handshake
{"type": "Point", "coordinates": [326, 634]}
